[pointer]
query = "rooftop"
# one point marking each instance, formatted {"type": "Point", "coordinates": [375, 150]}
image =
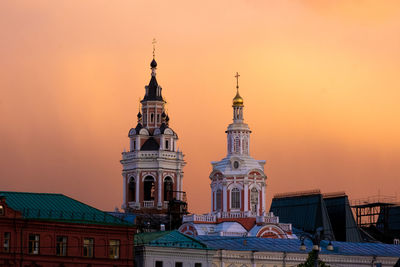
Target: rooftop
{"type": "Point", "coordinates": [58, 207]}
{"type": "Point", "coordinates": [168, 239]}
{"type": "Point", "coordinates": [293, 246]}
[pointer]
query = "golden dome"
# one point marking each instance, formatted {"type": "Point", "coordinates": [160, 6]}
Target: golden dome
{"type": "Point", "coordinates": [238, 100]}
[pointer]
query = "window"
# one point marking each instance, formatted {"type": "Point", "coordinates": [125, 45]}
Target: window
{"type": "Point", "coordinates": [158, 117]}
{"type": "Point", "coordinates": [149, 188]}
{"type": "Point", "coordinates": [254, 199]}
{"type": "Point", "coordinates": [88, 247]}
{"type": "Point", "coordinates": [168, 189]}
{"type": "Point", "coordinates": [178, 264]}
{"type": "Point", "coordinates": [132, 189]}
{"type": "Point", "coordinates": [218, 197]}
{"type": "Point", "coordinates": [134, 145]}
{"type": "Point", "coordinates": [6, 245]}
{"type": "Point", "coordinates": [236, 145]}
{"type": "Point", "coordinates": [235, 195]}
{"type": "Point", "coordinates": [159, 264]}
{"type": "Point", "coordinates": [246, 146]}
{"type": "Point", "coordinates": [166, 144]}
{"type": "Point", "coordinates": [33, 245]}
{"type": "Point", "coordinates": [151, 117]}
{"type": "Point", "coordinates": [61, 246]}
{"type": "Point", "coordinates": [236, 164]}
{"type": "Point", "coordinates": [1, 210]}
{"type": "Point", "coordinates": [114, 249]}
{"type": "Point", "coordinates": [197, 265]}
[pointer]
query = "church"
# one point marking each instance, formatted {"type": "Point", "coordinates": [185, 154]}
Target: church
{"type": "Point", "coordinates": [238, 190]}
{"type": "Point", "coordinates": [153, 172]}
{"type": "Point", "coordinates": [152, 168]}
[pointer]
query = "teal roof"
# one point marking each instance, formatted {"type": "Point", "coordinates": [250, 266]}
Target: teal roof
{"type": "Point", "coordinates": [168, 239]}
{"type": "Point", "coordinates": [57, 207]}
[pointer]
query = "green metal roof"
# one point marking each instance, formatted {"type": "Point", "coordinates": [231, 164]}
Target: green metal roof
{"type": "Point", "coordinates": [57, 207]}
{"type": "Point", "coordinates": [168, 239]}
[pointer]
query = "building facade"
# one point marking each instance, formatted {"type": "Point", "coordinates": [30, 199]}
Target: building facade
{"type": "Point", "coordinates": [171, 249]}
{"type": "Point", "coordinates": [55, 230]}
{"type": "Point", "coordinates": [238, 189]}
{"type": "Point", "coordinates": [152, 168]}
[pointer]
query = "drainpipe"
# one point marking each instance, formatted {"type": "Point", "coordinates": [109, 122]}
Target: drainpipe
{"type": "Point", "coordinates": [373, 261]}
{"type": "Point", "coordinates": [21, 247]}
{"type": "Point", "coordinates": [284, 259]}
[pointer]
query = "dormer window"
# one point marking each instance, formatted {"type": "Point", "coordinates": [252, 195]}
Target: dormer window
{"type": "Point", "coordinates": [166, 144]}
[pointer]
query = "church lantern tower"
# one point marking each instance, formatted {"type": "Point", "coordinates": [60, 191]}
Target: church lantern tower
{"type": "Point", "coordinates": [152, 168]}
{"type": "Point", "coordinates": [238, 181]}
{"type": "Point", "coordinates": [238, 185]}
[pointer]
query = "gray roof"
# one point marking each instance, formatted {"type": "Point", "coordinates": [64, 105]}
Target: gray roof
{"type": "Point", "coordinates": [293, 246]}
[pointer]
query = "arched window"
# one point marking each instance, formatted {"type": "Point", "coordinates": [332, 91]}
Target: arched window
{"type": "Point", "coordinates": [254, 199]}
{"type": "Point", "coordinates": [166, 144]}
{"type": "Point", "coordinates": [168, 189]}
{"type": "Point", "coordinates": [237, 145]}
{"type": "Point", "coordinates": [245, 146]}
{"type": "Point", "coordinates": [218, 199]}
{"type": "Point", "coordinates": [235, 198]}
{"type": "Point", "coordinates": [132, 189]}
{"type": "Point", "coordinates": [148, 188]}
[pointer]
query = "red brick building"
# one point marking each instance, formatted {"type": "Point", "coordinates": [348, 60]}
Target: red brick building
{"type": "Point", "coordinates": [55, 230]}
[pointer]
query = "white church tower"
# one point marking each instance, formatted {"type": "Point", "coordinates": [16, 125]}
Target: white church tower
{"type": "Point", "coordinates": [238, 184]}
{"type": "Point", "coordinates": [152, 168]}
{"type": "Point", "coordinates": [238, 181]}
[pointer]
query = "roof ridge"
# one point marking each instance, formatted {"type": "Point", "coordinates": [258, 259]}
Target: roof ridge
{"type": "Point", "coordinates": [36, 193]}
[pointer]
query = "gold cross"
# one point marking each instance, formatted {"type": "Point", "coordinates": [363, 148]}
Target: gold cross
{"type": "Point", "coordinates": [154, 47]}
{"type": "Point", "coordinates": [237, 80]}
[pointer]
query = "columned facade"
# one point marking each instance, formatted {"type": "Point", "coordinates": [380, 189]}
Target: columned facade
{"type": "Point", "coordinates": [152, 168]}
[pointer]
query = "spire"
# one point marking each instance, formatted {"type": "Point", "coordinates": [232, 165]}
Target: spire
{"type": "Point", "coordinates": [237, 100]}
{"type": "Point", "coordinates": [153, 90]}
{"type": "Point", "coordinates": [139, 115]}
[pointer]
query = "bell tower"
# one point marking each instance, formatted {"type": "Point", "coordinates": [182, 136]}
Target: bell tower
{"type": "Point", "coordinates": [238, 181]}
{"type": "Point", "coordinates": [152, 170]}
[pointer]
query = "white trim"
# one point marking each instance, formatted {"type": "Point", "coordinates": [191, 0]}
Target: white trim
{"type": "Point", "coordinates": [225, 198]}
{"type": "Point", "coordinates": [137, 191]}
{"type": "Point", "coordinates": [165, 176]}
{"type": "Point", "coordinates": [147, 175]}
{"type": "Point", "coordinates": [235, 184]}
{"type": "Point", "coordinates": [246, 196]}
{"type": "Point", "coordinates": [159, 200]}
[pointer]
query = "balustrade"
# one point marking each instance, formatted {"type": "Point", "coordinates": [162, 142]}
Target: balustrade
{"type": "Point", "coordinates": [148, 204]}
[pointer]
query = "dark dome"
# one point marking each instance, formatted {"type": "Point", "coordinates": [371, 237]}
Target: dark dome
{"type": "Point", "coordinates": [150, 144]}
{"type": "Point", "coordinates": [163, 114]}
{"type": "Point", "coordinates": [153, 63]}
{"type": "Point", "coordinates": [139, 115]}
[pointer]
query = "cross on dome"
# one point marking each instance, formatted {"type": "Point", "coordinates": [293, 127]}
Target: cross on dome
{"type": "Point", "coordinates": [238, 100]}
{"type": "Point", "coordinates": [237, 80]}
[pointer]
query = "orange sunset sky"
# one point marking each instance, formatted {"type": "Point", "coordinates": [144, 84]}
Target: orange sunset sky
{"type": "Point", "coordinates": [320, 81]}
